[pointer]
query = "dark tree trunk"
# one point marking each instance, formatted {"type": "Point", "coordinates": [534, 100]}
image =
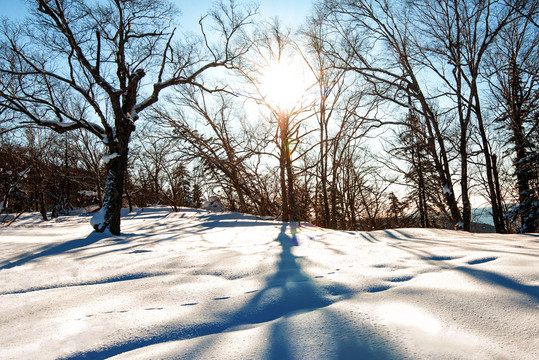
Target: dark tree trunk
{"type": "Point", "coordinates": [293, 208]}
{"type": "Point", "coordinates": [466, 205]}
{"type": "Point", "coordinates": [127, 191]}
{"type": "Point", "coordinates": [42, 206]}
{"type": "Point", "coordinates": [494, 191]}
{"type": "Point", "coordinates": [439, 156]}
{"type": "Point", "coordinates": [323, 163]}
{"type": "Point", "coordinates": [110, 213]}
{"type": "Point", "coordinates": [284, 194]}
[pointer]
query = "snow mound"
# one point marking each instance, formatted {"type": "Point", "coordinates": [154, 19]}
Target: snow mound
{"type": "Point", "coordinates": [213, 204]}
{"type": "Point", "coordinates": [200, 285]}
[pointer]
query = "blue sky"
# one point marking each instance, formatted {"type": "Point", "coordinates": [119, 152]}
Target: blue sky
{"type": "Point", "coordinates": [291, 12]}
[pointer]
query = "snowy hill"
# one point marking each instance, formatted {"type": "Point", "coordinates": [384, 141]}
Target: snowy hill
{"type": "Point", "coordinates": [198, 285]}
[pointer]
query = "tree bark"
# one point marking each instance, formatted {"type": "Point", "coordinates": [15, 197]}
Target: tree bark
{"type": "Point", "coordinates": [282, 164]}
{"type": "Point", "coordinates": [110, 214]}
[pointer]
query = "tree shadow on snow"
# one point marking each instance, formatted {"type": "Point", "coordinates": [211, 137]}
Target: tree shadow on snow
{"type": "Point", "coordinates": [442, 262]}
{"type": "Point", "coordinates": [54, 249]}
{"type": "Point", "coordinates": [286, 293]}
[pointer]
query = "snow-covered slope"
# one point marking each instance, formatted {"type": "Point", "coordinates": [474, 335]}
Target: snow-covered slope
{"type": "Point", "coordinates": [197, 285]}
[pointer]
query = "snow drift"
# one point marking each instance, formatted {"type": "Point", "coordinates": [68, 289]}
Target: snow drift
{"type": "Point", "coordinates": [201, 285]}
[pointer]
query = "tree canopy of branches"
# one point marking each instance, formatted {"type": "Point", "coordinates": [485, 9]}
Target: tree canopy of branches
{"type": "Point", "coordinates": [431, 57]}
{"type": "Point", "coordinates": [450, 86]}
{"type": "Point", "coordinates": [97, 65]}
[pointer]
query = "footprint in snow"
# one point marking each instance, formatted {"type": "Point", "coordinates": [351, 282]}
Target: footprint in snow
{"type": "Point", "coordinates": [438, 258]}
{"type": "Point", "coordinates": [112, 312]}
{"type": "Point", "coordinates": [139, 251]}
{"type": "Point", "coordinates": [481, 260]}
{"type": "Point", "coordinates": [190, 304]}
{"type": "Point", "coordinates": [401, 278]}
{"type": "Point", "coordinates": [378, 288]}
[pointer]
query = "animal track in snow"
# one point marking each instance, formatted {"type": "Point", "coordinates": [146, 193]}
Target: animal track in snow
{"type": "Point", "coordinates": [139, 251]}
{"type": "Point", "coordinates": [190, 304]}
{"type": "Point", "coordinates": [401, 278]}
{"type": "Point", "coordinates": [439, 258]}
{"type": "Point", "coordinates": [378, 288]}
{"type": "Point", "coordinates": [482, 260]}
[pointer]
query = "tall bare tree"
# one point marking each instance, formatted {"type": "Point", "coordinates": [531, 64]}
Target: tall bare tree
{"type": "Point", "coordinates": [513, 76]}
{"type": "Point", "coordinates": [377, 43]}
{"type": "Point", "coordinates": [97, 65]}
{"type": "Point", "coordinates": [275, 51]}
{"type": "Point", "coordinates": [214, 134]}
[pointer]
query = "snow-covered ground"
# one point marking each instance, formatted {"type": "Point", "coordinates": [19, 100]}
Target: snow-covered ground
{"type": "Point", "coordinates": [197, 285]}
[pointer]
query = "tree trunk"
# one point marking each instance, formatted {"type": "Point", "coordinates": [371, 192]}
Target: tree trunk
{"type": "Point", "coordinates": [421, 186]}
{"type": "Point", "coordinates": [442, 166]}
{"type": "Point", "coordinates": [42, 206]}
{"type": "Point", "coordinates": [293, 212]}
{"type": "Point", "coordinates": [522, 173]}
{"type": "Point", "coordinates": [495, 197]}
{"type": "Point", "coordinates": [127, 191]}
{"type": "Point", "coordinates": [109, 215]}
{"type": "Point", "coordinates": [466, 205]}
{"type": "Point", "coordinates": [282, 164]}
{"type": "Point", "coordinates": [323, 163]}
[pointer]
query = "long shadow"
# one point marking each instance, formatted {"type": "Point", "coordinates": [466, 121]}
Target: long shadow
{"type": "Point", "coordinates": [213, 220]}
{"type": "Point", "coordinates": [207, 223]}
{"type": "Point", "coordinates": [287, 292]}
{"type": "Point", "coordinates": [54, 250]}
{"type": "Point", "coordinates": [500, 280]}
{"type": "Point", "coordinates": [212, 224]}
{"type": "Point", "coordinates": [114, 279]}
{"type": "Point", "coordinates": [368, 237]}
{"type": "Point", "coordinates": [487, 277]}
{"type": "Point", "coordinates": [430, 242]}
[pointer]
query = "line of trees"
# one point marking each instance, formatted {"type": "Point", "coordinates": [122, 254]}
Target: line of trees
{"type": "Point", "coordinates": [450, 86]}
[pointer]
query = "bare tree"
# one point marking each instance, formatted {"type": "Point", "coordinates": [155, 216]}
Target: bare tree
{"type": "Point", "coordinates": [513, 75]}
{"type": "Point", "coordinates": [98, 65]}
{"type": "Point", "coordinates": [214, 133]}
{"type": "Point", "coordinates": [341, 111]}
{"type": "Point", "coordinates": [275, 50]}
{"type": "Point", "coordinates": [377, 43]}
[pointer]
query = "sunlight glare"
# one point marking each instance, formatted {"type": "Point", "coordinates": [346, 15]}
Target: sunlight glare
{"type": "Point", "coordinates": [283, 84]}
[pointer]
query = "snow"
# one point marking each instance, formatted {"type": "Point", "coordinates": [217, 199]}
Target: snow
{"type": "Point", "coordinates": [213, 204]}
{"type": "Point", "coordinates": [98, 219]}
{"type": "Point", "coordinates": [88, 193]}
{"type": "Point", "coordinates": [107, 158]}
{"type": "Point", "coordinates": [58, 123]}
{"type": "Point", "coordinates": [203, 285]}
{"type": "Point", "coordinates": [447, 190]}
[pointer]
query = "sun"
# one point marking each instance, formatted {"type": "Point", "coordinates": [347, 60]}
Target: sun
{"type": "Point", "coordinates": [283, 84]}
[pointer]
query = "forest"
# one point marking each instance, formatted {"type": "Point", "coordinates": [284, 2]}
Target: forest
{"type": "Point", "coordinates": [371, 114]}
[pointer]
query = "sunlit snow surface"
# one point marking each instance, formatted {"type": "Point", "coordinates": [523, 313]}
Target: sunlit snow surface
{"type": "Point", "coordinates": [197, 285]}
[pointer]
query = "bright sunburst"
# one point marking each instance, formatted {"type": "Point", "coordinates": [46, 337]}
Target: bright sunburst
{"type": "Point", "coordinates": [283, 84]}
